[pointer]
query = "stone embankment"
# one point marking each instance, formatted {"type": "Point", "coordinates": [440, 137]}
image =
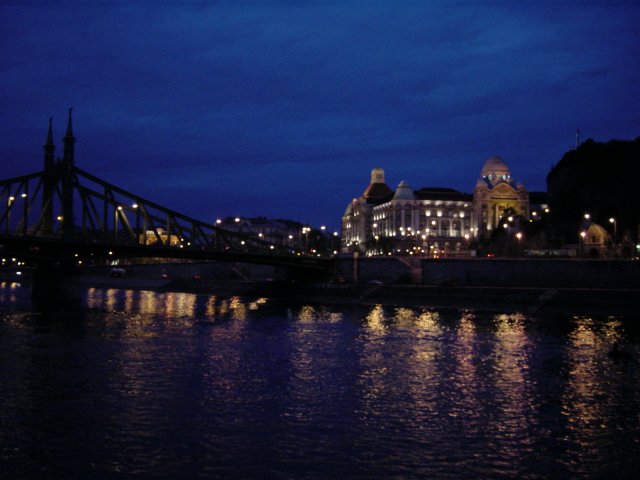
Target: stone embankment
{"type": "Point", "coordinates": [527, 286]}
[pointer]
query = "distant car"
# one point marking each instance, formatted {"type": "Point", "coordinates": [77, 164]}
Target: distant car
{"type": "Point", "coordinates": [118, 272]}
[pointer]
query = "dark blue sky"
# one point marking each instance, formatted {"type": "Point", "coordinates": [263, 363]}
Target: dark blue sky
{"type": "Point", "coordinates": [283, 110]}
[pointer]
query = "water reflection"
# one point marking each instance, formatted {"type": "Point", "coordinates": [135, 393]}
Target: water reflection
{"type": "Point", "coordinates": [312, 314]}
{"type": "Point", "coordinates": [589, 400]}
{"type": "Point", "coordinates": [169, 385]}
{"type": "Point", "coordinates": [147, 313]}
{"type": "Point", "coordinates": [8, 291]}
{"type": "Point", "coordinates": [465, 376]}
{"type": "Point", "coordinates": [375, 320]}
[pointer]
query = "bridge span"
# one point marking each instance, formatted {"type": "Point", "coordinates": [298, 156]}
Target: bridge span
{"type": "Point", "coordinates": [63, 215]}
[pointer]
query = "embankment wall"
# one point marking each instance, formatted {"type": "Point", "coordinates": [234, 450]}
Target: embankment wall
{"type": "Point", "coordinates": [384, 269]}
{"type": "Point", "coordinates": [491, 272]}
{"type": "Point", "coordinates": [555, 273]}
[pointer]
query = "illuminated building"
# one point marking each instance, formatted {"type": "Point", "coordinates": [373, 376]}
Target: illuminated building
{"type": "Point", "coordinates": [427, 222]}
{"type": "Point", "coordinates": [496, 194]}
{"type": "Point", "coordinates": [356, 221]}
{"type": "Point", "coordinates": [430, 221]}
{"type": "Point", "coordinates": [279, 232]}
{"type": "Point", "coordinates": [162, 238]}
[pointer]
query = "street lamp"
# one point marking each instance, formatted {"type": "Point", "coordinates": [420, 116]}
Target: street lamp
{"type": "Point", "coordinates": [519, 237]}
{"type": "Point", "coordinates": [615, 231]}
{"type": "Point", "coordinates": [615, 226]}
{"type": "Point", "coordinates": [115, 222]}
{"type": "Point", "coordinates": [305, 231]}
{"type": "Point", "coordinates": [25, 213]}
{"type": "Point", "coordinates": [9, 203]}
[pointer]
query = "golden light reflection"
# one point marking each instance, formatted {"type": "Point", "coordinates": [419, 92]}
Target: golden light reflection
{"type": "Point", "coordinates": [256, 304]}
{"type": "Point", "coordinates": [423, 364]}
{"type": "Point", "coordinates": [152, 310]}
{"type": "Point", "coordinates": [111, 299]}
{"type": "Point", "coordinates": [92, 298]}
{"type": "Point", "coordinates": [211, 307]}
{"type": "Point", "coordinates": [428, 324]}
{"type": "Point", "coordinates": [185, 304]}
{"type": "Point", "coordinates": [466, 378]}
{"type": "Point", "coordinates": [128, 301]}
{"type": "Point", "coordinates": [238, 309]}
{"type": "Point", "coordinates": [12, 290]}
{"type": "Point", "coordinates": [311, 314]}
{"type": "Point", "coordinates": [224, 307]}
{"type": "Point", "coordinates": [587, 395]}
{"type": "Point", "coordinates": [148, 302]}
{"type": "Point", "coordinates": [169, 304]}
{"type": "Point", "coordinates": [306, 314]}
{"type": "Point", "coordinates": [512, 384]}
{"type": "Point", "coordinates": [404, 317]}
{"type": "Point", "coordinates": [375, 319]}
{"type": "Point", "coordinates": [511, 356]}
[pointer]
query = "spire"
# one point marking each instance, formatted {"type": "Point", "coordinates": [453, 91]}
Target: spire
{"type": "Point", "coordinates": [69, 129]}
{"type": "Point", "coordinates": [69, 140]}
{"type": "Point", "coordinates": [49, 147]}
{"type": "Point", "coordinates": [50, 134]}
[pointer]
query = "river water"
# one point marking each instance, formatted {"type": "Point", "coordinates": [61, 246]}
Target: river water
{"type": "Point", "coordinates": [137, 384]}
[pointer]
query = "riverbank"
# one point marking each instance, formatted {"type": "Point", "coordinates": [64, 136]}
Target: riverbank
{"type": "Point", "coordinates": [531, 300]}
{"type": "Point", "coordinates": [528, 300]}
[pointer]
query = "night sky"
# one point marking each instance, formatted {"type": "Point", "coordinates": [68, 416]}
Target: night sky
{"type": "Point", "coordinates": [283, 110]}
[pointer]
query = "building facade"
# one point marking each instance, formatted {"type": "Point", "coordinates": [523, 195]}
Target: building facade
{"type": "Point", "coordinates": [430, 222]}
{"type": "Point", "coordinates": [427, 222]}
{"type": "Point", "coordinates": [356, 221]}
{"type": "Point", "coordinates": [496, 195]}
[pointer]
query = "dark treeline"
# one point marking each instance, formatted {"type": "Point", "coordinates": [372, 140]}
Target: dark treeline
{"type": "Point", "coordinates": [601, 179]}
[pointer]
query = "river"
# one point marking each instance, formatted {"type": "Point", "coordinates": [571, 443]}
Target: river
{"type": "Point", "coordinates": [140, 384]}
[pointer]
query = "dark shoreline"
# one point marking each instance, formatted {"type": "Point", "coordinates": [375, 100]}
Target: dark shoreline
{"type": "Point", "coordinates": [527, 300]}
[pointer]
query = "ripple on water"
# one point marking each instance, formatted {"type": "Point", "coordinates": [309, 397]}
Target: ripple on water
{"type": "Point", "coordinates": [143, 384]}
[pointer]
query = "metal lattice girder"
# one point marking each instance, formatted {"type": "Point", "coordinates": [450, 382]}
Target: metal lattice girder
{"type": "Point", "coordinates": [105, 214]}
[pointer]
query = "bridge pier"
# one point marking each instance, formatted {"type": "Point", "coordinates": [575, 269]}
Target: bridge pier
{"type": "Point", "coordinates": [54, 285]}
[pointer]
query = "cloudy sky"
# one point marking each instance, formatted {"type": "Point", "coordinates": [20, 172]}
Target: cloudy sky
{"type": "Point", "coordinates": [282, 108]}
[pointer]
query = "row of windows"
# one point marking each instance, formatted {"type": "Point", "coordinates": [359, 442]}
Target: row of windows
{"type": "Point", "coordinates": [428, 213]}
{"type": "Point", "coordinates": [443, 223]}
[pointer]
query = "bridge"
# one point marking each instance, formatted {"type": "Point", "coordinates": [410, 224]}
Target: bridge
{"type": "Point", "coordinates": [64, 215]}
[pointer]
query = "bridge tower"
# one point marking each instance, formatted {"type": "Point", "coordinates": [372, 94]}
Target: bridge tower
{"type": "Point", "coordinates": [49, 182]}
{"type": "Point", "coordinates": [67, 165]}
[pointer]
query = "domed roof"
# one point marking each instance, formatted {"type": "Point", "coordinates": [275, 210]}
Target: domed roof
{"type": "Point", "coordinates": [349, 208]}
{"type": "Point", "coordinates": [404, 192]}
{"type": "Point", "coordinates": [377, 191]}
{"type": "Point", "coordinates": [494, 170]}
